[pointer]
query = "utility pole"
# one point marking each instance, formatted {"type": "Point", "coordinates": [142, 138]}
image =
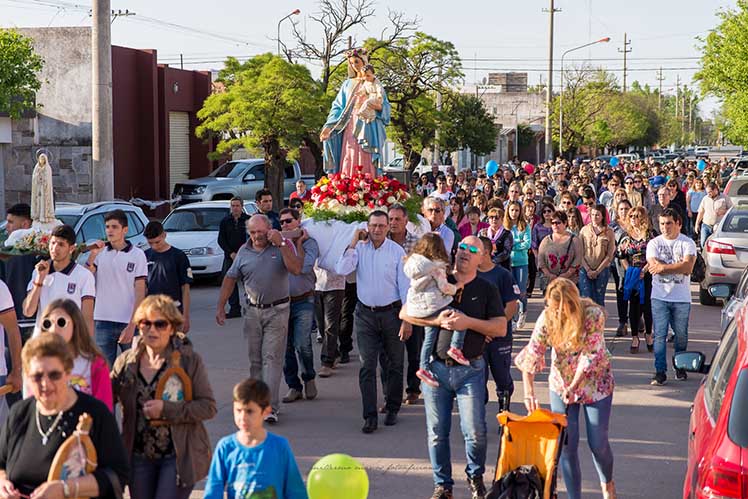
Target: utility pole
{"type": "Point", "coordinates": [659, 96]}
{"type": "Point", "coordinates": [102, 142]}
{"type": "Point", "coordinates": [549, 89]}
{"type": "Point", "coordinates": [625, 50]}
{"type": "Point", "coordinates": [677, 94]}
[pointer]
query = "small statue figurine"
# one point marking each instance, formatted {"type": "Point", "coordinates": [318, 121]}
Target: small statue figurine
{"type": "Point", "coordinates": [42, 196]}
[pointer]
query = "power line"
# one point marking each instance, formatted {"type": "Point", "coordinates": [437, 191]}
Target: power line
{"type": "Point", "coordinates": [544, 60]}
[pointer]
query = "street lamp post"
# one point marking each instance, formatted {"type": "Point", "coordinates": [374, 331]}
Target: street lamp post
{"type": "Point", "coordinates": [294, 13]}
{"type": "Point", "coordinates": [561, 98]}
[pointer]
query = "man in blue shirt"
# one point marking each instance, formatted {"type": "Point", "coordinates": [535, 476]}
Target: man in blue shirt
{"type": "Point", "coordinates": [498, 352]}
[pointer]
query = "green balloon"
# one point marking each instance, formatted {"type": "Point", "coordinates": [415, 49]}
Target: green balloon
{"type": "Point", "coordinates": [337, 476]}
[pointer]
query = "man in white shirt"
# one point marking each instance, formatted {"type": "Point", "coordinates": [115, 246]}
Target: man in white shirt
{"type": "Point", "coordinates": [121, 270]}
{"type": "Point", "coordinates": [711, 210]}
{"type": "Point", "coordinates": [62, 278]}
{"type": "Point", "coordinates": [670, 260]}
{"type": "Point", "coordinates": [442, 192]}
{"type": "Point", "coordinates": [382, 288]}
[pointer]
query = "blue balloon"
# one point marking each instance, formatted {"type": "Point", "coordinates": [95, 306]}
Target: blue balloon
{"type": "Point", "coordinates": [491, 168]}
{"type": "Point", "coordinates": [614, 161]}
{"type": "Point", "coordinates": [701, 165]}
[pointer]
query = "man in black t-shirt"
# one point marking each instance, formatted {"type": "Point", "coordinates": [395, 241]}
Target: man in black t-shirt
{"type": "Point", "coordinates": [169, 271]}
{"type": "Point", "coordinates": [481, 314]}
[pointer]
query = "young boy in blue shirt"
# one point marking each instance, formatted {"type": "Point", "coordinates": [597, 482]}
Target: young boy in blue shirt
{"type": "Point", "coordinates": [253, 463]}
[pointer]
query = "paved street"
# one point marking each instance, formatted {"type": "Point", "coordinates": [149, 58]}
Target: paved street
{"type": "Point", "coordinates": [648, 427]}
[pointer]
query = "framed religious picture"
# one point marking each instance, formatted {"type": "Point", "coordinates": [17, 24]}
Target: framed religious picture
{"type": "Point", "coordinates": [76, 456]}
{"type": "Point", "coordinates": [5, 389]}
{"type": "Point", "coordinates": [174, 385]}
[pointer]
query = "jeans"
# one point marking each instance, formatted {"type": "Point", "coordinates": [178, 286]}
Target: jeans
{"type": "Point", "coordinates": [107, 337]}
{"type": "Point", "coordinates": [234, 304]}
{"type": "Point", "coordinates": [705, 232]}
{"type": "Point", "coordinates": [597, 418]}
{"type": "Point", "coordinates": [467, 384]}
{"type": "Point", "coordinates": [594, 288]}
{"type": "Point", "coordinates": [299, 341]}
{"type": "Point", "coordinates": [430, 336]}
{"type": "Point", "coordinates": [12, 398]}
{"type": "Point", "coordinates": [327, 306]}
{"type": "Point", "coordinates": [266, 331]}
{"type": "Point", "coordinates": [636, 308]}
{"type": "Point", "coordinates": [532, 271]}
{"type": "Point", "coordinates": [156, 479]}
{"type": "Point", "coordinates": [520, 274]}
{"type": "Point", "coordinates": [675, 315]}
{"type": "Point", "coordinates": [378, 332]}
{"type": "Point", "coordinates": [498, 356]}
{"type": "Point", "coordinates": [621, 304]}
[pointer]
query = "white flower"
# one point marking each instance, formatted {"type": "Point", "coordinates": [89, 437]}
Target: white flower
{"type": "Point", "coordinates": [391, 200]}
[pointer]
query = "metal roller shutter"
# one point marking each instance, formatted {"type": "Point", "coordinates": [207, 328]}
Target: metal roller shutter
{"type": "Point", "coordinates": [179, 148]}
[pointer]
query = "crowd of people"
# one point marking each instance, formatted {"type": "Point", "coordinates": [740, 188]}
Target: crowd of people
{"type": "Point", "coordinates": [445, 305]}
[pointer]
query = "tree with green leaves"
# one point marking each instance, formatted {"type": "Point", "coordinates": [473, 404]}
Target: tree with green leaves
{"type": "Point", "coordinates": [465, 123]}
{"type": "Point", "coordinates": [413, 71]}
{"type": "Point", "coordinates": [267, 103]}
{"type": "Point", "coordinates": [19, 70]}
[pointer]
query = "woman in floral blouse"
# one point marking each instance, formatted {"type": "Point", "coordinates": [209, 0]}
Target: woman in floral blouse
{"type": "Point", "coordinates": [581, 378]}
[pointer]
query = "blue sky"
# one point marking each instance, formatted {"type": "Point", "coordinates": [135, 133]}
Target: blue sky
{"type": "Point", "coordinates": [500, 35]}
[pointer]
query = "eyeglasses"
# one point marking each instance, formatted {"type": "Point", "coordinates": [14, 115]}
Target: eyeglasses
{"type": "Point", "coordinates": [468, 247]}
{"type": "Point", "coordinates": [629, 182]}
{"type": "Point", "coordinates": [434, 210]}
{"type": "Point", "coordinates": [637, 181]}
{"type": "Point", "coordinates": [547, 211]}
{"type": "Point", "coordinates": [634, 217]}
{"type": "Point", "coordinates": [556, 222]}
{"type": "Point", "coordinates": [494, 217]}
{"type": "Point", "coordinates": [159, 324]}
{"type": "Point", "coordinates": [47, 323]}
{"type": "Point", "coordinates": [615, 185]}
{"type": "Point", "coordinates": [51, 375]}
{"type": "Point", "coordinates": [589, 204]}
{"type": "Point", "coordinates": [285, 221]}
{"type": "Point", "coordinates": [566, 202]}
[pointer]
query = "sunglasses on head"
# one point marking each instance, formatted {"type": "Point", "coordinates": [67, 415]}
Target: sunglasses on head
{"type": "Point", "coordinates": [47, 323]}
{"type": "Point", "coordinates": [468, 247]}
{"type": "Point", "coordinates": [285, 221]}
{"type": "Point", "coordinates": [52, 375]}
{"type": "Point", "coordinates": [159, 324]}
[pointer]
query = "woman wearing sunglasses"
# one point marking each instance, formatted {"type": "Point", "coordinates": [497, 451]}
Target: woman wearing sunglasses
{"type": "Point", "coordinates": [90, 372]}
{"type": "Point", "coordinates": [500, 237]}
{"type": "Point", "coordinates": [166, 460]}
{"type": "Point", "coordinates": [560, 253]}
{"type": "Point", "coordinates": [39, 425]}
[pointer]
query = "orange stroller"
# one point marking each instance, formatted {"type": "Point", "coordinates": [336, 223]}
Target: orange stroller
{"type": "Point", "coordinates": [537, 440]}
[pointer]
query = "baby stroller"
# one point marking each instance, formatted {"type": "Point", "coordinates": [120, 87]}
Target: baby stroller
{"type": "Point", "coordinates": [536, 440]}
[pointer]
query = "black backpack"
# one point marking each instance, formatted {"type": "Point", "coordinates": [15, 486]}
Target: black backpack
{"type": "Point", "coordinates": [699, 269]}
{"type": "Point", "coordinates": [523, 482]}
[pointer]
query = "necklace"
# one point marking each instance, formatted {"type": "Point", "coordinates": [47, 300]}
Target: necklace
{"type": "Point", "coordinates": [45, 436]}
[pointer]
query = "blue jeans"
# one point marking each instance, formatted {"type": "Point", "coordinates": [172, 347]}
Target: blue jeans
{"type": "Point", "coordinates": [299, 341]}
{"type": "Point", "coordinates": [107, 337]}
{"type": "Point", "coordinates": [430, 336]}
{"type": "Point", "coordinates": [705, 232]}
{"type": "Point", "coordinates": [597, 417]}
{"type": "Point", "coordinates": [498, 356]}
{"type": "Point", "coordinates": [155, 479]}
{"type": "Point", "coordinates": [520, 274]}
{"type": "Point", "coordinates": [675, 315]}
{"type": "Point", "coordinates": [594, 288]}
{"type": "Point", "coordinates": [468, 385]}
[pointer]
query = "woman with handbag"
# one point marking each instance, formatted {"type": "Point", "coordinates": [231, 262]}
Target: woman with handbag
{"type": "Point", "coordinates": [581, 378]}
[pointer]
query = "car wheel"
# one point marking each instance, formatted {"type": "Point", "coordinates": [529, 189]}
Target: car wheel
{"type": "Point", "coordinates": [706, 299]}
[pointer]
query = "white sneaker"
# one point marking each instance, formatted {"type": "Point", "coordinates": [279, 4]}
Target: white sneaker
{"type": "Point", "coordinates": [272, 418]}
{"type": "Point", "coordinates": [521, 320]}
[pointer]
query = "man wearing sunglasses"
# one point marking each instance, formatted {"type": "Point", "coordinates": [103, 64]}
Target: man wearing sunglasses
{"type": "Point", "coordinates": [434, 211]}
{"type": "Point", "coordinates": [481, 313]}
{"type": "Point", "coordinates": [381, 287]}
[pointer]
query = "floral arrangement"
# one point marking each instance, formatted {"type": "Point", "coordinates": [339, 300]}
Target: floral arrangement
{"type": "Point", "coordinates": [33, 242]}
{"type": "Point", "coordinates": [351, 199]}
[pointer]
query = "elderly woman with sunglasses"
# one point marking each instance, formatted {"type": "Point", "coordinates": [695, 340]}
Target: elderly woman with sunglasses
{"type": "Point", "coordinates": [501, 238]}
{"type": "Point", "coordinates": [167, 459]}
{"type": "Point", "coordinates": [39, 425]}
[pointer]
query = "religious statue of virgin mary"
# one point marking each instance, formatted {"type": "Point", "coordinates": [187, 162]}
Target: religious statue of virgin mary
{"type": "Point", "coordinates": [42, 196]}
{"type": "Point", "coordinates": [354, 134]}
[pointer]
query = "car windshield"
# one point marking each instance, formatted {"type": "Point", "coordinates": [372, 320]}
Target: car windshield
{"type": "Point", "coordinates": [195, 219]}
{"type": "Point", "coordinates": [70, 220]}
{"type": "Point", "coordinates": [736, 222]}
{"type": "Point", "coordinates": [232, 169]}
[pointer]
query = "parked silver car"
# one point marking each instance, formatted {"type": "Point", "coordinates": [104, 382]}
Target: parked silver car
{"type": "Point", "coordinates": [726, 253]}
{"type": "Point", "coordinates": [88, 220]}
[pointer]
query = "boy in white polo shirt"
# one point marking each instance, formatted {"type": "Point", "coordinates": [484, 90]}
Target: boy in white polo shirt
{"type": "Point", "coordinates": [121, 270]}
{"type": "Point", "coordinates": [62, 278]}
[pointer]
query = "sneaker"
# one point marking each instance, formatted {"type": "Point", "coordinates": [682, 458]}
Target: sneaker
{"type": "Point", "coordinates": [441, 492]}
{"type": "Point", "coordinates": [427, 378]}
{"type": "Point", "coordinates": [521, 318]}
{"type": "Point", "coordinates": [456, 354]}
{"type": "Point", "coordinates": [681, 375]}
{"type": "Point", "coordinates": [621, 331]}
{"type": "Point", "coordinates": [272, 418]}
{"type": "Point", "coordinates": [292, 396]}
{"type": "Point", "coordinates": [324, 372]}
{"type": "Point", "coordinates": [477, 489]}
{"type": "Point", "coordinates": [659, 379]}
{"type": "Point", "coordinates": [319, 337]}
{"type": "Point", "coordinates": [310, 389]}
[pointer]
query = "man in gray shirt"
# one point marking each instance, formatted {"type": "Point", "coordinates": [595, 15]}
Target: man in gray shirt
{"type": "Point", "coordinates": [263, 265]}
{"type": "Point", "coordinates": [302, 313]}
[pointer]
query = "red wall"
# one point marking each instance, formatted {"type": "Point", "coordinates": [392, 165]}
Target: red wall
{"type": "Point", "coordinates": [143, 95]}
